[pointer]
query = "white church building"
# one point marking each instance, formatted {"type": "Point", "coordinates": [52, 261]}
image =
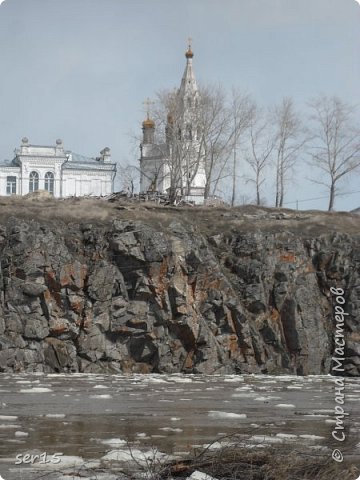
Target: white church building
{"type": "Point", "coordinates": [60, 172]}
{"type": "Point", "coordinates": [176, 165]}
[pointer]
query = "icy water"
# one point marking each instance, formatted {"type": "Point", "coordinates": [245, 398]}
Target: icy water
{"type": "Point", "coordinates": [87, 416]}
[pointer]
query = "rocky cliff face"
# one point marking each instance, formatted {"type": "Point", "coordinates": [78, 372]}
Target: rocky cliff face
{"type": "Point", "coordinates": [249, 294]}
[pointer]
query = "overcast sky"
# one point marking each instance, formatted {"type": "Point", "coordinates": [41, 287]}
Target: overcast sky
{"type": "Point", "coordinates": [80, 69]}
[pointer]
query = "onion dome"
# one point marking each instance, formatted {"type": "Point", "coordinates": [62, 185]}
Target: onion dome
{"type": "Point", "coordinates": [189, 53]}
{"type": "Point", "coordinates": [148, 123]}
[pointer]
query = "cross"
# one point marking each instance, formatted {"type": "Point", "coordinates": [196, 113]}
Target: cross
{"type": "Point", "coordinates": [148, 104]}
{"type": "Point", "coordinates": [190, 42]}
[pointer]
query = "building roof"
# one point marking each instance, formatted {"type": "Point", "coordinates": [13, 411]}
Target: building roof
{"type": "Point", "coordinates": [75, 161]}
{"type": "Point", "coordinates": [7, 163]}
{"type": "Point", "coordinates": [77, 158]}
{"type": "Point", "coordinates": [88, 166]}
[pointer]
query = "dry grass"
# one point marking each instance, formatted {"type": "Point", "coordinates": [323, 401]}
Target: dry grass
{"type": "Point", "coordinates": [237, 463]}
{"type": "Point", "coordinates": [207, 220]}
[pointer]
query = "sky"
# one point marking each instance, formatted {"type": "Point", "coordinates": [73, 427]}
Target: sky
{"type": "Point", "coordinates": [80, 70]}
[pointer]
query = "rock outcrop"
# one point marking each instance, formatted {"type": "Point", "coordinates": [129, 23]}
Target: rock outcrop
{"type": "Point", "coordinates": [126, 295]}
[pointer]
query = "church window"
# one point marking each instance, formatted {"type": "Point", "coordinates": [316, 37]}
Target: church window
{"type": "Point", "coordinates": [179, 134]}
{"type": "Point", "coordinates": [10, 185]}
{"type": "Point", "coordinates": [189, 102]}
{"type": "Point", "coordinates": [49, 182]}
{"type": "Point", "coordinates": [33, 182]}
{"type": "Point", "coordinates": [198, 133]}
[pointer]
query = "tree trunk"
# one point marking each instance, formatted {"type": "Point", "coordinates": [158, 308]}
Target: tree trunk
{"type": "Point", "coordinates": [332, 197]}
{"type": "Point", "coordinates": [234, 180]}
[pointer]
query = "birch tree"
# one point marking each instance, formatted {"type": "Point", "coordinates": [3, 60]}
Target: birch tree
{"type": "Point", "coordinates": [289, 139]}
{"type": "Point", "coordinates": [335, 148]}
{"type": "Point", "coordinates": [242, 109]}
{"type": "Point", "coordinates": [258, 156]}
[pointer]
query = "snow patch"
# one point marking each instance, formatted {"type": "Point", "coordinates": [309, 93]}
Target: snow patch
{"type": "Point", "coordinates": [197, 475]}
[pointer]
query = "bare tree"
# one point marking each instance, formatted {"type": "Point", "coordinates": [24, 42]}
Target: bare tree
{"type": "Point", "coordinates": [129, 176]}
{"type": "Point", "coordinates": [261, 146]}
{"type": "Point", "coordinates": [218, 126]}
{"type": "Point", "coordinates": [214, 129]}
{"type": "Point", "coordinates": [242, 109]}
{"type": "Point", "coordinates": [336, 141]}
{"type": "Point", "coordinates": [183, 147]}
{"type": "Point", "coordinates": [289, 139]}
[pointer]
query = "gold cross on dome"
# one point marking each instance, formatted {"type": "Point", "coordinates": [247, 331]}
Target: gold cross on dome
{"type": "Point", "coordinates": [190, 42]}
{"type": "Point", "coordinates": [148, 104]}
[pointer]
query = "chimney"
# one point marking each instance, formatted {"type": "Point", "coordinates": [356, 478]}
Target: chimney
{"type": "Point", "coordinates": [105, 155]}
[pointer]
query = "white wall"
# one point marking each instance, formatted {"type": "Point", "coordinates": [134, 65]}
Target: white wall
{"type": "Point", "coordinates": [66, 183]}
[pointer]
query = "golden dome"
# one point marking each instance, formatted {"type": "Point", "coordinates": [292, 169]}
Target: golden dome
{"type": "Point", "coordinates": [148, 123]}
{"type": "Point", "coordinates": [189, 53]}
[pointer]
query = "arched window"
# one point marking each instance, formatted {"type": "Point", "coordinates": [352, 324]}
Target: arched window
{"type": "Point", "coordinates": [189, 102]}
{"type": "Point", "coordinates": [49, 182]}
{"type": "Point", "coordinates": [33, 182]}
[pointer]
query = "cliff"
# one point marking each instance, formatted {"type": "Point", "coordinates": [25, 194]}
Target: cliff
{"type": "Point", "coordinates": [97, 287]}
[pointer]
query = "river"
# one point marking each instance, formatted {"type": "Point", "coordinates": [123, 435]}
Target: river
{"type": "Point", "coordinates": [83, 417]}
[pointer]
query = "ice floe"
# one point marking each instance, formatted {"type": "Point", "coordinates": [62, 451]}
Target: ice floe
{"type": "Point", "coordinates": [287, 436]}
{"type": "Point", "coordinates": [266, 399]}
{"type": "Point", "coordinates": [36, 390]}
{"type": "Point", "coordinates": [10, 418]}
{"type": "Point", "coordinates": [170, 429]}
{"type": "Point", "coordinates": [106, 395]}
{"type": "Point", "coordinates": [265, 439]}
{"type": "Point", "coordinates": [311, 437]}
{"type": "Point", "coordinates": [113, 442]}
{"type": "Point", "coordinates": [66, 461]}
{"type": "Point", "coordinates": [234, 379]}
{"type": "Point", "coordinates": [220, 415]}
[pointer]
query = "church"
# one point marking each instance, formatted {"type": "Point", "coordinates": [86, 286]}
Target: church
{"type": "Point", "coordinates": [176, 166]}
{"type": "Point", "coordinates": [60, 172]}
